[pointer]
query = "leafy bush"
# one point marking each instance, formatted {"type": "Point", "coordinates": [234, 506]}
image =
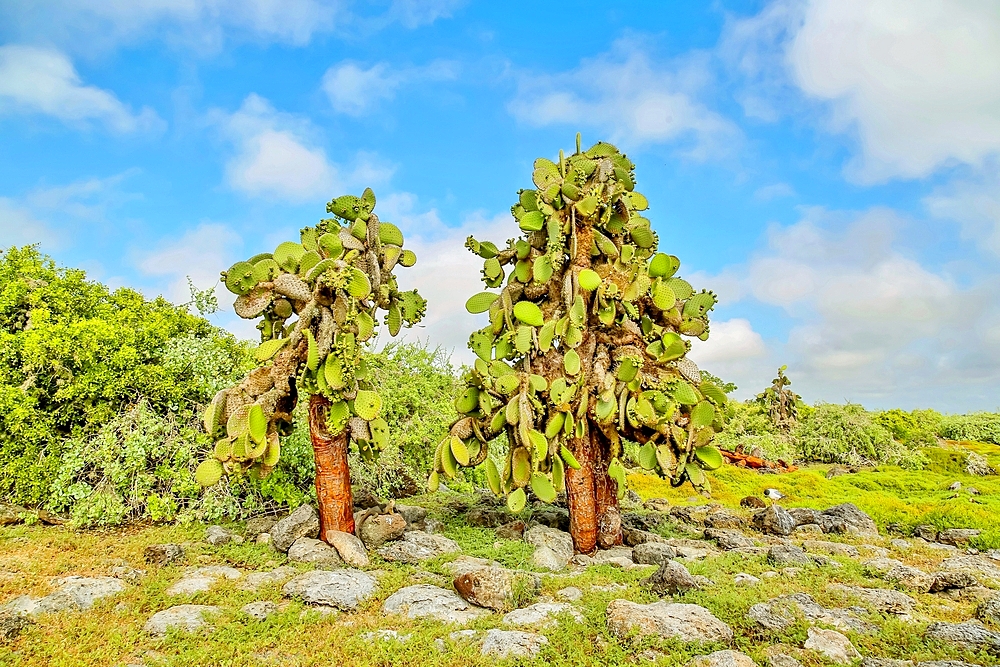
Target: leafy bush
{"type": "Point", "coordinates": [749, 427]}
{"type": "Point", "coordinates": [977, 427]}
{"type": "Point", "coordinates": [914, 429]}
{"type": "Point", "coordinates": [849, 434]}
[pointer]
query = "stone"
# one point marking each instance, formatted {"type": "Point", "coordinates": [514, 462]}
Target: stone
{"type": "Point", "coordinates": [780, 613]}
{"type": "Point", "coordinates": [957, 537]}
{"type": "Point", "coordinates": [129, 575]}
{"type": "Point", "coordinates": [497, 588]}
{"type": "Point", "coordinates": [694, 516]}
{"type": "Point", "coordinates": [487, 517]}
{"type": "Point", "coordinates": [775, 520]}
{"type": "Point", "coordinates": [259, 610]}
{"type": "Point", "coordinates": [693, 549]}
{"type": "Point", "coordinates": [986, 570]}
{"type": "Point", "coordinates": [782, 660]}
{"type": "Point", "coordinates": [254, 580]}
{"type": "Point", "coordinates": [784, 555]}
{"type": "Point", "coordinates": [263, 538]}
{"type": "Point", "coordinates": [201, 579]}
{"type": "Point", "coordinates": [950, 580]}
{"type": "Point", "coordinates": [464, 564]}
{"type": "Point", "coordinates": [884, 600]}
{"type": "Point", "coordinates": [847, 518]}
{"type": "Point", "coordinates": [671, 578]}
{"type": "Point", "coordinates": [745, 580]}
{"type": "Point", "coordinates": [976, 464]}
{"type": "Point", "coordinates": [541, 614]}
{"type": "Point", "coordinates": [432, 525]}
{"type": "Point", "coordinates": [955, 486]}
{"type": "Point", "coordinates": [427, 601]}
{"type": "Point", "coordinates": [376, 530]}
{"type": "Point", "coordinates": [808, 529]}
{"type": "Point", "coordinates": [553, 517]}
{"type": "Point", "coordinates": [546, 559]}
{"type": "Point", "coordinates": [259, 525]}
{"type": "Point", "coordinates": [413, 515]}
{"type": "Point", "coordinates": [724, 520]}
{"type": "Point", "coordinates": [723, 659]}
{"type": "Point", "coordinates": [163, 554]}
{"type": "Point", "coordinates": [343, 589]}
{"type": "Point", "coordinates": [512, 644]}
{"type": "Point", "coordinates": [184, 617]}
{"type": "Point", "coordinates": [308, 550]}
{"type": "Point", "coordinates": [634, 536]}
{"type": "Point", "coordinates": [513, 530]}
{"type": "Point", "coordinates": [79, 593]}
{"type": "Point", "coordinates": [668, 620]}
{"type": "Point", "coordinates": [988, 610]}
{"type": "Point", "coordinates": [900, 544]}
{"type": "Point", "coordinates": [729, 539]}
{"type": "Point", "coordinates": [558, 542]}
{"type": "Point", "coordinates": [217, 535]}
{"type": "Point", "coordinates": [11, 625]}
{"type": "Point", "coordinates": [907, 576]}
{"type": "Point", "coordinates": [303, 522]}
{"type": "Point", "coordinates": [417, 546]}
{"type": "Point", "coordinates": [753, 502]}
{"type": "Point", "coordinates": [832, 548]}
{"type": "Point", "coordinates": [570, 594]}
{"type": "Point", "coordinates": [349, 547]}
{"type": "Point", "coordinates": [926, 532]}
{"type": "Point", "coordinates": [804, 516]}
{"type": "Point", "coordinates": [970, 636]}
{"type": "Point", "coordinates": [653, 553]}
{"type": "Point", "coordinates": [832, 645]}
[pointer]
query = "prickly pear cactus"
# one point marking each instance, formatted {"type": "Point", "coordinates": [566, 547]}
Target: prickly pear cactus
{"type": "Point", "coordinates": [782, 404]}
{"type": "Point", "coordinates": [318, 301]}
{"type": "Point", "coordinates": [589, 331]}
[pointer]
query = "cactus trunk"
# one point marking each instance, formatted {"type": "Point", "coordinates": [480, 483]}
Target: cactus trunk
{"type": "Point", "coordinates": [609, 518]}
{"type": "Point", "coordinates": [582, 497]}
{"type": "Point", "coordinates": [333, 476]}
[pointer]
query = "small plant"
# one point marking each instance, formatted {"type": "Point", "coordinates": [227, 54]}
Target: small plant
{"type": "Point", "coordinates": [585, 346]}
{"type": "Point", "coordinates": [781, 403]}
{"type": "Point", "coordinates": [318, 301]}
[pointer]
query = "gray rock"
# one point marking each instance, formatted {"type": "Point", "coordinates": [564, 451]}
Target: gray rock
{"type": "Point", "coordinates": [620, 555]}
{"type": "Point", "coordinates": [570, 594]}
{"type": "Point", "coordinates": [432, 525]}
{"type": "Point", "coordinates": [970, 636]}
{"type": "Point", "coordinates": [497, 588]}
{"type": "Point", "coordinates": [668, 620]}
{"type": "Point", "coordinates": [512, 644]}
{"type": "Point", "coordinates": [988, 610]}
{"type": "Point", "coordinates": [807, 529]}
{"type": "Point", "coordinates": [259, 610]}
{"type": "Point", "coordinates": [513, 530]}
{"type": "Point", "coordinates": [634, 536]}
{"type": "Point", "coordinates": [782, 660]}
{"type": "Point", "coordinates": [832, 645]}
{"type": "Point", "coordinates": [184, 617]}
{"type": "Point", "coordinates": [81, 593]}
{"type": "Point", "coordinates": [163, 554]}
{"type": "Point", "coordinates": [847, 518]}
{"type": "Point", "coordinates": [217, 536]}
{"type": "Point", "coordinates": [129, 575]}
{"type": "Point", "coordinates": [376, 530]}
{"type": "Point", "coordinates": [950, 580]}
{"type": "Point", "coordinates": [349, 547]}
{"type": "Point", "coordinates": [976, 464]}
{"type": "Point", "coordinates": [784, 555]}
{"type": "Point", "coordinates": [729, 539]}
{"type": "Point", "coordinates": [693, 549]}
{"type": "Point", "coordinates": [986, 570]}
{"type": "Point", "coordinates": [464, 564]}
{"type": "Point", "coordinates": [541, 614]}
{"type": "Point", "coordinates": [254, 580]}
{"type": "Point", "coordinates": [343, 589]}
{"type": "Point", "coordinates": [413, 515]}
{"type": "Point", "coordinates": [558, 542]}
{"type": "Point", "coordinates": [426, 601]}
{"type": "Point", "coordinates": [780, 613]}
{"type": "Point", "coordinates": [724, 520]}
{"type": "Point", "coordinates": [201, 579]}
{"type": "Point", "coordinates": [804, 516]}
{"type": "Point", "coordinates": [884, 600]}
{"type": "Point", "coordinates": [908, 577]}
{"type": "Point", "coordinates": [832, 548]}
{"type": "Point", "coordinates": [259, 525]}
{"type": "Point", "coordinates": [11, 625]}
{"type": "Point", "coordinates": [926, 532]}
{"type": "Point", "coordinates": [775, 520]}
{"type": "Point", "coordinates": [745, 580]}
{"type": "Point", "coordinates": [653, 553]}
{"type": "Point", "coordinates": [723, 659]}
{"type": "Point", "coordinates": [308, 550]}
{"type": "Point", "coordinates": [417, 546]}
{"type": "Point", "coordinates": [303, 522]}
{"type": "Point", "coordinates": [546, 559]}
{"type": "Point", "coordinates": [957, 537]}
{"type": "Point", "coordinates": [901, 544]}
{"type": "Point", "coordinates": [671, 578]}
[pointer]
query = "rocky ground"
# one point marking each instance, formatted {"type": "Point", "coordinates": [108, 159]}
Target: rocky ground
{"type": "Point", "coordinates": [464, 582]}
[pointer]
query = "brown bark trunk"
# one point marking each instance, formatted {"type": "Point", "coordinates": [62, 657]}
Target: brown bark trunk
{"type": "Point", "coordinates": [581, 497]}
{"type": "Point", "coordinates": [609, 518]}
{"type": "Point", "coordinates": [333, 476]}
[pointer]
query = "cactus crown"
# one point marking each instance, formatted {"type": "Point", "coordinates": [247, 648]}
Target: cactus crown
{"type": "Point", "coordinates": [588, 330]}
{"type": "Point", "coordinates": [318, 301]}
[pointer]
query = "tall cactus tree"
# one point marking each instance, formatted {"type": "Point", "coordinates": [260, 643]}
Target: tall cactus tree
{"type": "Point", "coordinates": [318, 301]}
{"type": "Point", "coordinates": [586, 346]}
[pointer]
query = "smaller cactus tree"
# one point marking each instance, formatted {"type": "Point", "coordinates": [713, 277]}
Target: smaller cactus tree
{"type": "Point", "coordinates": [586, 346]}
{"type": "Point", "coordinates": [318, 302]}
{"type": "Point", "coordinates": [780, 402]}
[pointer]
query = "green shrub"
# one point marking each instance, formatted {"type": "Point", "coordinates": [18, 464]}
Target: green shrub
{"type": "Point", "coordinates": [850, 435]}
{"type": "Point", "coordinates": [914, 429]}
{"type": "Point", "coordinates": [977, 427]}
{"type": "Point", "coordinates": [748, 427]}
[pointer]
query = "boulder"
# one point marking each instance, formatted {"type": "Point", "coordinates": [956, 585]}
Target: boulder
{"type": "Point", "coordinates": [349, 547]}
{"type": "Point", "coordinates": [303, 522]}
{"type": "Point", "coordinates": [724, 520]}
{"type": "Point", "coordinates": [926, 531]}
{"type": "Point", "coordinates": [957, 537]}
{"type": "Point", "coordinates": [254, 580]}
{"type": "Point", "coordinates": [72, 593]}
{"type": "Point", "coordinates": [671, 578]}
{"type": "Point", "coordinates": [184, 617]}
{"type": "Point", "coordinates": [487, 517]}
{"type": "Point", "coordinates": [832, 548]}
{"type": "Point", "coordinates": [986, 570]}
{"type": "Point", "coordinates": [668, 620]}
{"type": "Point", "coordinates": [906, 576]}
{"type": "Point", "coordinates": [308, 550]}
{"type": "Point", "coordinates": [434, 602]}
{"type": "Point", "coordinates": [201, 579]}
{"type": "Point", "coordinates": [512, 644]}
{"type": "Point", "coordinates": [163, 554]}
{"type": "Point", "coordinates": [883, 600]}
{"type": "Point", "coordinates": [976, 464]}
{"type": "Point", "coordinates": [804, 516]}
{"type": "Point", "coordinates": [497, 588]}
{"type": "Point", "coordinates": [847, 518]}
{"type": "Point", "coordinates": [729, 539]}
{"type": "Point", "coordinates": [570, 594]}
{"type": "Point", "coordinates": [376, 530]}
{"type": "Point", "coordinates": [259, 610]}
{"type": "Point", "coordinates": [545, 558]}
{"type": "Point", "coordinates": [259, 525]}
{"type": "Point", "coordinates": [513, 530]}
{"type": "Point", "coordinates": [11, 625]}
{"type": "Point", "coordinates": [633, 536]}
{"type": "Point", "coordinates": [775, 520]}
{"type": "Point", "coordinates": [780, 613]}
{"type": "Point", "coordinates": [951, 580]}
{"type": "Point", "coordinates": [217, 536]}
{"type": "Point", "coordinates": [343, 589]}
{"type": "Point", "coordinates": [784, 555]}
{"type": "Point", "coordinates": [413, 515]}
{"type": "Point", "coordinates": [753, 502]}
{"type": "Point", "coordinates": [832, 645]}
{"type": "Point", "coordinates": [416, 547]}
{"type": "Point", "coordinates": [967, 636]}
{"type": "Point", "coordinates": [745, 580]}
{"type": "Point", "coordinates": [653, 553]}
{"type": "Point", "coordinates": [553, 548]}
{"type": "Point", "coordinates": [723, 659]}
{"type": "Point", "coordinates": [553, 517]}
{"type": "Point", "coordinates": [541, 614]}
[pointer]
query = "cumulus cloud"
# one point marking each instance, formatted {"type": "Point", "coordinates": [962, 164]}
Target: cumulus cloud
{"type": "Point", "coordinates": [277, 156]}
{"type": "Point", "coordinates": [635, 100]}
{"type": "Point", "coordinates": [198, 254]}
{"type": "Point", "coordinates": [416, 13]}
{"type": "Point", "coordinates": [19, 226]}
{"type": "Point", "coordinates": [774, 191]}
{"type": "Point", "coordinates": [973, 202]}
{"type": "Point", "coordinates": [354, 90]}
{"type": "Point", "coordinates": [916, 81]}
{"type": "Point", "coordinates": [44, 81]}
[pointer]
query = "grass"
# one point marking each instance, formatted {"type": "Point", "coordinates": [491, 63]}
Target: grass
{"type": "Point", "coordinates": [111, 634]}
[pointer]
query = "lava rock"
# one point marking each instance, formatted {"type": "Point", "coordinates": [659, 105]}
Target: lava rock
{"type": "Point", "coordinates": [303, 522]}
{"type": "Point", "coordinates": [163, 554]}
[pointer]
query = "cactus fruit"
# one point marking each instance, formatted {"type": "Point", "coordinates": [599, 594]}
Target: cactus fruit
{"type": "Point", "coordinates": [334, 280]}
{"type": "Point", "coordinates": [585, 303]}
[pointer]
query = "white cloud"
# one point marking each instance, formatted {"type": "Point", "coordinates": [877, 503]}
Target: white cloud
{"type": "Point", "coordinates": [353, 90]}
{"type": "Point", "coordinates": [635, 100]}
{"type": "Point", "coordinates": [974, 203]}
{"type": "Point", "coordinates": [917, 81]}
{"type": "Point", "coordinates": [37, 80]}
{"type": "Point", "coordinates": [730, 341]}
{"type": "Point", "coordinates": [19, 226]}
{"type": "Point", "coordinates": [416, 13]}
{"type": "Point", "coordinates": [774, 191]}
{"type": "Point", "coordinates": [198, 254]}
{"type": "Point", "coordinates": [277, 156]}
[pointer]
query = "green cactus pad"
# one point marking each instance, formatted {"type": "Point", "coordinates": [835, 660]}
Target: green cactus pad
{"type": "Point", "coordinates": [367, 404]}
{"type": "Point", "coordinates": [390, 234]}
{"type": "Point", "coordinates": [273, 451]}
{"type": "Point", "coordinates": [288, 254]}
{"type": "Point", "coordinates": [459, 451]}
{"type": "Point", "coordinates": [571, 362]}
{"type": "Point", "coordinates": [532, 222]}
{"type": "Point", "coordinates": [702, 414]}
{"type": "Point", "coordinates": [589, 280]}
{"type": "Point", "coordinates": [480, 303]}
{"type": "Point", "coordinates": [543, 487]}
{"type": "Point", "coordinates": [568, 457]}
{"type": "Point", "coordinates": [223, 450]}
{"type": "Point", "coordinates": [516, 500]}
{"type": "Point", "coordinates": [208, 472]}
{"type": "Point", "coordinates": [713, 393]}
{"type": "Point", "coordinates": [685, 394]}
{"type": "Point", "coordinates": [521, 466]}
{"type": "Point", "coordinates": [492, 476]}
{"type": "Point", "coordinates": [265, 270]}
{"type": "Point", "coordinates": [240, 278]}
{"type": "Point", "coordinates": [529, 313]}
{"type": "Point", "coordinates": [269, 348]}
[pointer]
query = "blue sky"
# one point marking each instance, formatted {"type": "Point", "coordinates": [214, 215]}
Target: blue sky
{"type": "Point", "coordinates": [830, 167]}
